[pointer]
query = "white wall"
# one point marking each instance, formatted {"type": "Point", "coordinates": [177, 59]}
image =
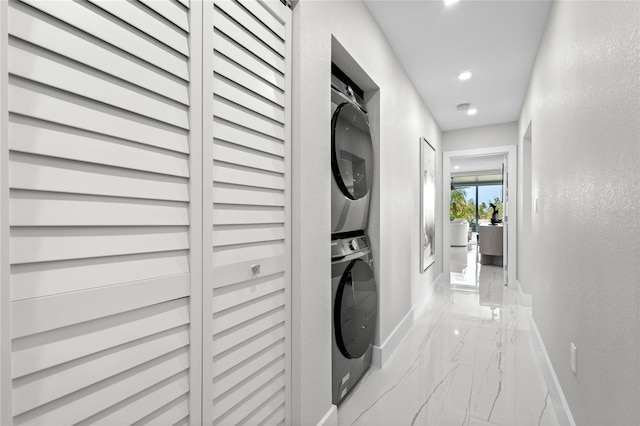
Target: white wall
{"type": "Point", "coordinates": [584, 105]}
{"type": "Point", "coordinates": [480, 137]}
{"type": "Point", "coordinates": [401, 121]}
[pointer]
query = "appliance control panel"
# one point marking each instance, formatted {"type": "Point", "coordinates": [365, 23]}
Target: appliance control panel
{"type": "Point", "coordinates": [347, 92]}
{"type": "Point", "coordinates": [346, 246]}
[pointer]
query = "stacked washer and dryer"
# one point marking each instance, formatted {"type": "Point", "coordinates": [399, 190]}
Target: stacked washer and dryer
{"type": "Point", "coordinates": [353, 286]}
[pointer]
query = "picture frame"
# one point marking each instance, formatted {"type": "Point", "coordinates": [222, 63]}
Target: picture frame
{"type": "Point", "coordinates": [427, 204]}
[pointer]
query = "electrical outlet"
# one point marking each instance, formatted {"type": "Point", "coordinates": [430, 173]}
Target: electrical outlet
{"type": "Point", "coordinates": [572, 358]}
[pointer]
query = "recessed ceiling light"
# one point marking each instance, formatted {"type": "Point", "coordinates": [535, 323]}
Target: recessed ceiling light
{"type": "Point", "coordinates": [456, 167]}
{"type": "Point", "coordinates": [450, 2]}
{"type": "Point", "coordinates": [462, 107]}
{"type": "Point", "coordinates": [466, 75]}
{"type": "Point", "coordinates": [472, 111]}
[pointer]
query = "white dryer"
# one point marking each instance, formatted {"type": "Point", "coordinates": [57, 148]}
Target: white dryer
{"type": "Point", "coordinates": [351, 161]}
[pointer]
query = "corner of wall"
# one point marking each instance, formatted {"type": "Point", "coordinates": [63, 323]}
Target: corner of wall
{"type": "Point", "coordinates": [311, 296]}
{"type": "Point", "coordinates": [331, 418]}
{"type": "Point", "coordinates": [383, 352]}
{"type": "Point", "coordinates": [523, 298]}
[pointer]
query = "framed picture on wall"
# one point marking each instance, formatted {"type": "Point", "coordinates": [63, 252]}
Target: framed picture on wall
{"type": "Point", "coordinates": [427, 205]}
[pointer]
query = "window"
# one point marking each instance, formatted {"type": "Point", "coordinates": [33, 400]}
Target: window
{"type": "Point", "coordinates": [473, 203]}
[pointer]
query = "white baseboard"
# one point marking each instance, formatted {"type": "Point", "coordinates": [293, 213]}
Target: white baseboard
{"type": "Point", "coordinates": [563, 413]}
{"type": "Point", "coordinates": [523, 298]}
{"type": "Point", "coordinates": [331, 418]}
{"type": "Point", "coordinates": [381, 353]}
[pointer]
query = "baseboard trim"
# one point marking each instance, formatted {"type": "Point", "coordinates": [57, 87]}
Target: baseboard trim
{"type": "Point", "coordinates": [563, 412]}
{"type": "Point", "coordinates": [523, 298]}
{"type": "Point", "coordinates": [382, 353]}
{"type": "Point", "coordinates": [331, 418]}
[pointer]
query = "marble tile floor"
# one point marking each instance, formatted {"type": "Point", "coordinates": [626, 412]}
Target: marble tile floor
{"type": "Point", "coordinates": [467, 360]}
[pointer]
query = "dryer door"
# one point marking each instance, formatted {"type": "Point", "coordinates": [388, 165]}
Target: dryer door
{"type": "Point", "coordinates": [351, 151]}
{"type": "Point", "coordinates": [355, 309]}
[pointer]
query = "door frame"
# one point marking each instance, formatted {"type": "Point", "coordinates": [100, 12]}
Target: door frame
{"type": "Point", "coordinates": [6, 392]}
{"type": "Point", "coordinates": [511, 184]}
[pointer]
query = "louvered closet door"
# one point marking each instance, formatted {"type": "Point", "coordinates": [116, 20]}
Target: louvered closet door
{"type": "Point", "coordinates": [99, 139]}
{"type": "Point", "coordinates": [250, 193]}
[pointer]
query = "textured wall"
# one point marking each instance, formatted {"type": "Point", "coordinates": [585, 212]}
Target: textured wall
{"type": "Point", "coordinates": [584, 104]}
{"type": "Point", "coordinates": [480, 137]}
{"type": "Point", "coordinates": [401, 121]}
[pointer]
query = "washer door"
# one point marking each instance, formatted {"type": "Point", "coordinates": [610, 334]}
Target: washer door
{"type": "Point", "coordinates": [355, 309]}
{"type": "Point", "coordinates": [352, 151]}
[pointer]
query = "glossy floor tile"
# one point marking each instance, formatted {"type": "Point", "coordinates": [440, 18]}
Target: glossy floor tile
{"type": "Point", "coordinates": [468, 360]}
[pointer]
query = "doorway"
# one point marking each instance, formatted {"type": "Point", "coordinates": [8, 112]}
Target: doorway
{"type": "Point", "coordinates": [476, 168]}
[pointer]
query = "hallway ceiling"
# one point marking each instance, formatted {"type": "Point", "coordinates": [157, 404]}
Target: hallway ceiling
{"type": "Point", "coordinates": [476, 163]}
{"type": "Point", "coordinates": [496, 40]}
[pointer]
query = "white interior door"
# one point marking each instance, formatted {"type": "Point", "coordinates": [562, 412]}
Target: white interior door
{"type": "Point", "coordinates": [145, 201]}
{"type": "Point", "coordinates": [99, 195]}
{"type": "Point", "coordinates": [249, 289]}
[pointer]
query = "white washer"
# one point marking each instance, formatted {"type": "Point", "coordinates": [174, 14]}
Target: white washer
{"type": "Point", "coordinates": [351, 161]}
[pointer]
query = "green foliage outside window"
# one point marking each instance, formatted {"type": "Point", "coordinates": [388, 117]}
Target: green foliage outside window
{"type": "Point", "coordinates": [462, 207]}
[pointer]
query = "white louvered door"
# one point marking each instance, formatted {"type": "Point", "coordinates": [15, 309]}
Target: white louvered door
{"type": "Point", "coordinates": [249, 290]}
{"type": "Point", "coordinates": [145, 212]}
{"type": "Point", "coordinates": [99, 140]}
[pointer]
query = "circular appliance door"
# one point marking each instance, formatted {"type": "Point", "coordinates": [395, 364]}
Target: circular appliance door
{"type": "Point", "coordinates": [355, 309]}
{"type": "Point", "coordinates": [352, 151]}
